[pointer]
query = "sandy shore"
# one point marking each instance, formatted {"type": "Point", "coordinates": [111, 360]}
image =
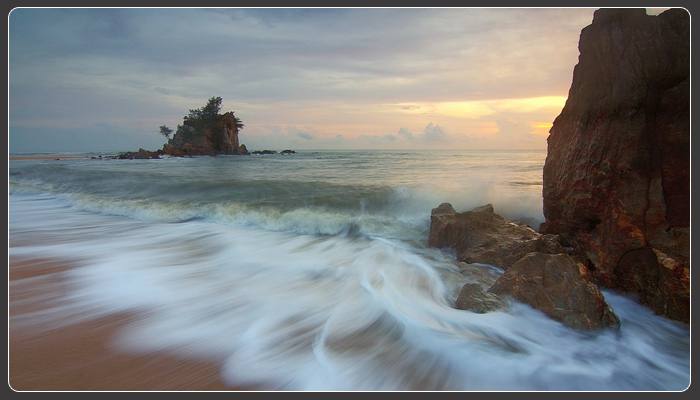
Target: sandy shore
{"type": "Point", "coordinates": [80, 356]}
{"type": "Point", "coordinates": [15, 158]}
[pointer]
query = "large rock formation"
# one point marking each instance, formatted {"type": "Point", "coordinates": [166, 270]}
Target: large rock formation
{"type": "Point", "coordinates": [617, 172]}
{"type": "Point", "coordinates": [538, 270]}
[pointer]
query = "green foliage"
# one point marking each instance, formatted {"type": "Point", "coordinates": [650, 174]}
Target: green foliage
{"type": "Point", "coordinates": [165, 131]}
{"type": "Point", "coordinates": [206, 115]}
{"type": "Point", "coordinates": [239, 123]}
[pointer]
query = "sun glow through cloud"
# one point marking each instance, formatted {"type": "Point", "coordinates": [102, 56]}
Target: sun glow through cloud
{"type": "Point", "coordinates": [483, 108]}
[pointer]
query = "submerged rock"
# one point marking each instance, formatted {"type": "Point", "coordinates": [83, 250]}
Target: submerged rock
{"type": "Point", "coordinates": [617, 173]}
{"type": "Point", "coordinates": [473, 298]}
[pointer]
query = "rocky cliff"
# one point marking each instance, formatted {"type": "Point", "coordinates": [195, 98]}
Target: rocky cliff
{"type": "Point", "coordinates": [617, 173]}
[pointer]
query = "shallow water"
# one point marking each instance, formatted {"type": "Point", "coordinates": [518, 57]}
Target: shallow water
{"type": "Point", "coordinates": [312, 272]}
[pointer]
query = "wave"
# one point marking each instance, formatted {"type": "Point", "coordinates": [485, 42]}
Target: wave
{"type": "Point", "coordinates": [327, 194]}
{"type": "Point", "coordinates": [401, 212]}
{"type": "Point", "coordinates": [390, 214]}
{"type": "Point", "coordinates": [287, 311]}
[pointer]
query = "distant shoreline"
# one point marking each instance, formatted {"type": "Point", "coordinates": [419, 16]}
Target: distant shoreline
{"type": "Point", "coordinates": [15, 158]}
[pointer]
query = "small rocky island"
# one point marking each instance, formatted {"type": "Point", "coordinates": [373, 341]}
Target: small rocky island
{"type": "Point", "coordinates": [204, 132]}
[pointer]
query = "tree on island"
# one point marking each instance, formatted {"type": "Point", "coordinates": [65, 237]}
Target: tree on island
{"type": "Point", "coordinates": [165, 131]}
{"type": "Point", "coordinates": [207, 114]}
{"type": "Point", "coordinates": [239, 123]}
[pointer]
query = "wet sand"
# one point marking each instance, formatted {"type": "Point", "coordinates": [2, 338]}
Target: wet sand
{"type": "Point", "coordinates": [81, 356]}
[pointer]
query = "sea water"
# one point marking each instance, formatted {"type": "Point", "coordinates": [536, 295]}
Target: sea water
{"type": "Point", "coordinates": [311, 271]}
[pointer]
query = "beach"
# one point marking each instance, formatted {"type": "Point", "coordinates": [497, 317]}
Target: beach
{"type": "Point", "coordinates": [80, 356]}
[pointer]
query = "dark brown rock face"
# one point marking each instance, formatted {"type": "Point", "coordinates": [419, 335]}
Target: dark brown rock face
{"type": "Point", "coordinates": [482, 236]}
{"type": "Point", "coordinates": [617, 172]}
{"type": "Point", "coordinates": [559, 287]}
{"type": "Point", "coordinates": [229, 134]}
{"type": "Point", "coordinates": [218, 138]}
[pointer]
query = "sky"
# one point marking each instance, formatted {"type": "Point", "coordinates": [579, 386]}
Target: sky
{"type": "Point", "coordinates": [106, 79]}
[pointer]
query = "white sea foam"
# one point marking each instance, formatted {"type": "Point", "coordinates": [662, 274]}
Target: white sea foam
{"type": "Point", "coordinates": [306, 312]}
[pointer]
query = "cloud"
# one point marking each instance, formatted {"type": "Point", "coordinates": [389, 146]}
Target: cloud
{"type": "Point", "coordinates": [377, 140]}
{"type": "Point", "coordinates": [434, 133]}
{"type": "Point", "coordinates": [406, 134]}
{"type": "Point", "coordinates": [105, 126]}
{"type": "Point", "coordinates": [162, 90]}
{"type": "Point", "coordinates": [138, 68]}
{"type": "Point", "coordinates": [517, 133]}
{"type": "Point", "coordinates": [305, 135]}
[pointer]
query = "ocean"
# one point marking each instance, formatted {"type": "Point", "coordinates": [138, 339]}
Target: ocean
{"type": "Point", "coordinates": [311, 271]}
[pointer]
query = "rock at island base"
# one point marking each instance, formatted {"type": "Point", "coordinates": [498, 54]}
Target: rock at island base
{"type": "Point", "coordinates": [142, 154]}
{"type": "Point", "coordinates": [617, 173]}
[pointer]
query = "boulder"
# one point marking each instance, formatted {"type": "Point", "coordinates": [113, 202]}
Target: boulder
{"type": "Point", "coordinates": [538, 271]}
{"type": "Point", "coordinates": [482, 236]}
{"type": "Point", "coordinates": [616, 179]}
{"type": "Point", "coordinates": [559, 287]}
{"type": "Point", "coordinates": [473, 298]}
